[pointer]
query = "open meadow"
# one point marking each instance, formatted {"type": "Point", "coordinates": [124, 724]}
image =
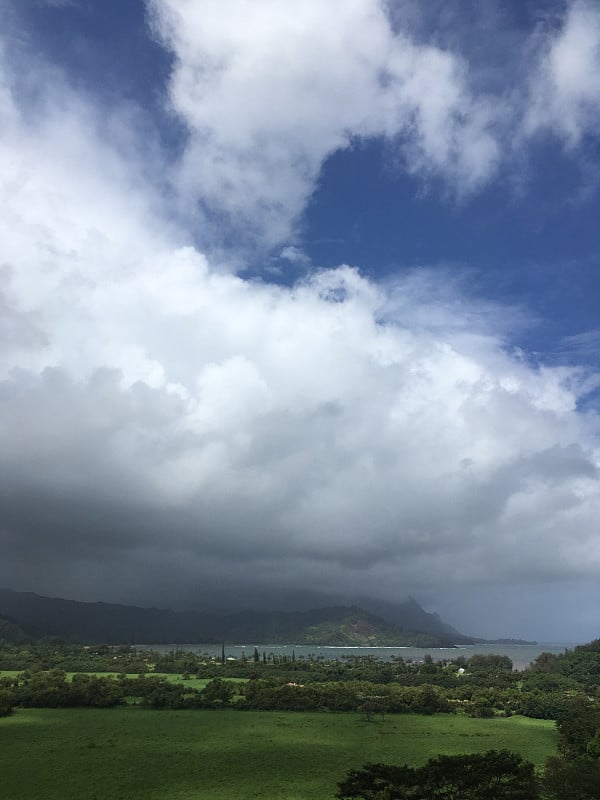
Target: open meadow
{"type": "Point", "coordinates": [131, 753]}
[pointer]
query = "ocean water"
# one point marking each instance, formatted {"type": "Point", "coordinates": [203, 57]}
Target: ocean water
{"type": "Point", "coordinates": [520, 654]}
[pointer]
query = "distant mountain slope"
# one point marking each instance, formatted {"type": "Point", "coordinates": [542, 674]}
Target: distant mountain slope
{"type": "Point", "coordinates": [11, 632]}
{"type": "Point", "coordinates": [102, 622]}
{"type": "Point", "coordinates": [409, 615]}
{"type": "Point", "coordinates": [337, 625]}
{"type": "Point", "coordinates": [118, 624]}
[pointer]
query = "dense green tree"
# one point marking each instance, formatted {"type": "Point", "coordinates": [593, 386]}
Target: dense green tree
{"type": "Point", "coordinates": [218, 692]}
{"type": "Point", "coordinates": [543, 705]}
{"type": "Point", "coordinates": [581, 664]}
{"type": "Point", "coordinates": [495, 775]}
{"type": "Point", "coordinates": [577, 724]}
{"type": "Point", "coordinates": [489, 663]}
{"type": "Point", "coordinates": [546, 662]}
{"type": "Point", "coordinates": [379, 782]}
{"type": "Point", "coordinates": [572, 779]}
{"type": "Point", "coordinates": [7, 702]}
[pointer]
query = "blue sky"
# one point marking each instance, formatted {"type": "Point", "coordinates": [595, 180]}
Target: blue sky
{"type": "Point", "coordinates": [268, 256]}
{"type": "Point", "coordinates": [529, 237]}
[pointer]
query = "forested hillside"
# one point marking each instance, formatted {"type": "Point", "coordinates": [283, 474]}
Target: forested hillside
{"type": "Point", "coordinates": [120, 624]}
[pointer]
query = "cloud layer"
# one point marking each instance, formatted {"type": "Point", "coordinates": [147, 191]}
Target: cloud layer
{"type": "Point", "coordinates": [167, 428]}
{"type": "Point", "coordinates": [266, 100]}
{"type": "Point", "coordinates": [565, 89]}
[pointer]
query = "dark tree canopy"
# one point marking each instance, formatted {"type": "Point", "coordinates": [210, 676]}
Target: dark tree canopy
{"type": "Point", "coordinates": [495, 775]}
{"type": "Point", "coordinates": [578, 724]}
{"type": "Point", "coordinates": [572, 779]}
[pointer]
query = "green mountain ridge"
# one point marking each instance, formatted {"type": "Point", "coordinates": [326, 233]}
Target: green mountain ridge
{"type": "Point", "coordinates": [26, 615]}
{"type": "Point", "coordinates": [409, 615]}
{"type": "Point", "coordinates": [119, 624]}
{"type": "Point", "coordinates": [334, 626]}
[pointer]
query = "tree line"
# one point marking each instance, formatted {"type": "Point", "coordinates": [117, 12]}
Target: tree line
{"type": "Point", "coordinates": [573, 774]}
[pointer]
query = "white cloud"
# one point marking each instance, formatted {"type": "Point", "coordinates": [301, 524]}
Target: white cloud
{"type": "Point", "coordinates": [295, 255]}
{"type": "Point", "coordinates": [340, 428]}
{"type": "Point", "coordinates": [156, 411]}
{"type": "Point", "coordinates": [565, 88]}
{"type": "Point", "coordinates": [268, 93]}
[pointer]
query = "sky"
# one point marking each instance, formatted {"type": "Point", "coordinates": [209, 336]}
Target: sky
{"type": "Point", "coordinates": [299, 302]}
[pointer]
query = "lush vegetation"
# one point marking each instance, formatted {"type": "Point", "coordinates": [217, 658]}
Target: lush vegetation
{"type": "Point", "coordinates": [495, 775]}
{"type": "Point", "coordinates": [482, 686]}
{"type": "Point", "coordinates": [132, 752]}
{"type": "Point", "coordinates": [573, 774]}
{"type": "Point", "coordinates": [580, 666]}
{"type": "Point", "coordinates": [386, 697]}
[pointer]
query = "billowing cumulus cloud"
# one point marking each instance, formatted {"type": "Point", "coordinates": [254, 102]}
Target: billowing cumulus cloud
{"type": "Point", "coordinates": [167, 427]}
{"type": "Point", "coordinates": [169, 430]}
{"type": "Point", "coordinates": [267, 96]}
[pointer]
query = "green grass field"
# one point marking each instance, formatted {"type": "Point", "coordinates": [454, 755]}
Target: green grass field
{"type": "Point", "coordinates": [131, 753]}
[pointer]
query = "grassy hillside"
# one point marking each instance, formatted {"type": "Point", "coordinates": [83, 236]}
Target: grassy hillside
{"type": "Point", "coordinates": [131, 753]}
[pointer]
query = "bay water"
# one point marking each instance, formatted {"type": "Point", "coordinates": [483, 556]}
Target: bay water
{"type": "Point", "coordinates": [520, 654]}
